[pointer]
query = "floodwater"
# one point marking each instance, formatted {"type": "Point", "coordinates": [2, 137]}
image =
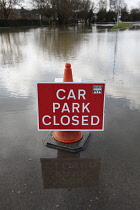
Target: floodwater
{"type": "Point", "coordinates": [106, 175]}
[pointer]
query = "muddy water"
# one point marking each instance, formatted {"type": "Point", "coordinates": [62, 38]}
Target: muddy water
{"type": "Point", "coordinates": [106, 174]}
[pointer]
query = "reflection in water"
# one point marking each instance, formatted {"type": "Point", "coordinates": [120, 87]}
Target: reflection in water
{"type": "Point", "coordinates": [11, 48]}
{"type": "Point", "coordinates": [96, 54]}
{"type": "Point", "coordinates": [70, 172]}
{"type": "Point", "coordinates": [63, 44]}
{"type": "Point", "coordinates": [18, 64]}
{"type": "Point", "coordinates": [115, 54]}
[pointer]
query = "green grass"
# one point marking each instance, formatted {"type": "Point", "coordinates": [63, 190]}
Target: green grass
{"type": "Point", "coordinates": [121, 25]}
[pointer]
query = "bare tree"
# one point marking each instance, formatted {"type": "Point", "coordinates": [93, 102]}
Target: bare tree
{"type": "Point", "coordinates": [44, 7]}
{"type": "Point", "coordinates": [6, 7]}
{"type": "Point", "coordinates": [86, 10]}
{"type": "Point", "coordinates": [41, 4]}
{"type": "Point", "coordinates": [71, 9]}
{"type": "Point", "coordinates": [63, 10]}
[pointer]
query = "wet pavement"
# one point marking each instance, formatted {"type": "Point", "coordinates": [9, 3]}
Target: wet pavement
{"type": "Point", "coordinates": [106, 175]}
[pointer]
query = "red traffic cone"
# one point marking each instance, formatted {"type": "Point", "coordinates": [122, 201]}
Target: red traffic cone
{"type": "Point", "coordinates": [67, 73]}
{"type": "Point", "coordinates": [67, 136]}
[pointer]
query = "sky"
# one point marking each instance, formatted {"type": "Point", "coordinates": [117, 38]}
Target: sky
{"type": "Point", "coordinates": [131, 3]}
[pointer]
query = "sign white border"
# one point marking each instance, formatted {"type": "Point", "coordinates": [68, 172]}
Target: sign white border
{"type": "Point", "coordinates": [68, 129]}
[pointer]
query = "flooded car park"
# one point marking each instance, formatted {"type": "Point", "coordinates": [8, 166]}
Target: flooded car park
{"type": "Point", "coordinates": [106, 174]}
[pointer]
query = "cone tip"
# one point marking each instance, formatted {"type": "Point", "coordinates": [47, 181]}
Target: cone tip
{"type": "Point", "coordinates": [68, 65]}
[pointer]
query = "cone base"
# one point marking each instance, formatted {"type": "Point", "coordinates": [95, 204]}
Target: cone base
{"type": "Point", "coordinates": [67, 136]}
{"type": "Point", "coordinates": [78, 146]}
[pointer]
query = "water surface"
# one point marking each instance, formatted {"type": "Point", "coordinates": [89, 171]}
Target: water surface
{"type": "Point", "coordinates": [97, 54]}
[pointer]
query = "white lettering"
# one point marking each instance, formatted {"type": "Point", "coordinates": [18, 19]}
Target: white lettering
{"type": "Point", "coordinates": [57, 94]}
{"type": "Point", "coordinates": [81, 93]}
{"type": "Point", "coordinates": [75, 120]}
{"type": "Point", "coordinates": [54, 119]}
{"type": "Point", "coordinates": [55, 106]}
{"type": "Point", "coordinates": [62, 121]}
{"type": "Point", "coordinates": [84, 120]}
{"type": "Point", "coordinates": [43, 120]}
{"type": "Point", "coordinates": [85, 106]}
{"type": "Point", "coordinates": [71, 95]}
{"type": "Point", "coordinates": [75, 106]}
{"type": "Point", "coordinates": [70, 120]}
{"type": "Point", "coordinates": [92, 120]}
{"type": "Point", "coordinates": [65, 108]}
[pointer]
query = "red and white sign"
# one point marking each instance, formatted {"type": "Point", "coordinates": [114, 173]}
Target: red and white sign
{"type": "Point", "coordinates": [70, 106]}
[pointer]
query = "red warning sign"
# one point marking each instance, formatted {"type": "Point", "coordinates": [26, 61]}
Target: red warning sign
{"type": "Point", "coordinates": [71, 106]}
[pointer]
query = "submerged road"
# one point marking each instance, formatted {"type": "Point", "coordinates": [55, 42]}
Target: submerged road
{"type": "Point", "coordinates": [106, 175]}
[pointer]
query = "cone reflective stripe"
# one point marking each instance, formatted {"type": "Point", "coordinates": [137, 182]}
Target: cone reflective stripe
{"type": "Point", "coordinates": [67, 136]}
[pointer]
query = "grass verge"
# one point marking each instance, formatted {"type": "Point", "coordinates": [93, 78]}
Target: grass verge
{"type": "Point", "coordinates": [121, 25]}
